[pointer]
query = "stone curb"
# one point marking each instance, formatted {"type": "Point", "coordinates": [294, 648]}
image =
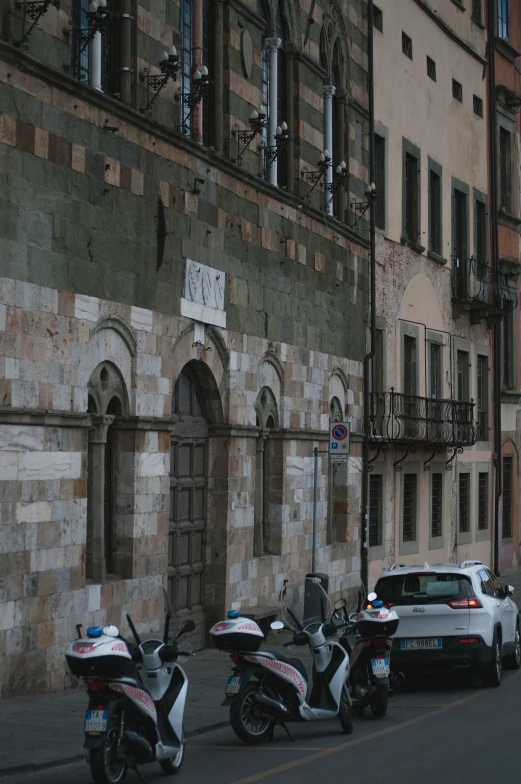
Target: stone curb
{"type": "Point", "coordinates": [17, 770]}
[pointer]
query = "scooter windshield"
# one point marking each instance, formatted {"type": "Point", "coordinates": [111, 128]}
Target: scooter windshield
{"type": "Point", "coordinates": [305, 606]}
{"type": "Point", "coordinates": [353, 591]}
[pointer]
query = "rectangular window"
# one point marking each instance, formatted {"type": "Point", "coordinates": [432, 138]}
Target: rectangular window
{"type": "Point", "coordinates": [378, 19]}
{"type": "Point", "coordinates": [481, 232]}
{"type": "Point", "coordinates": [379, 144]}
{"type": "Point", "coordinates": [464, 503]}
{"type": "Point", "coordinates": [482, 394]}
{"type": "Point", "coordinates": [477, 11]}
{"type": "Point", "coordinates": [508, 351]}
{"type": "Point", "coordinates": [459, 243]}
{"type": "Point", "coordinates": [407, 46]}
{"type": "Point", "coordinates": [482, 501]}
{"type": "Point", "coordinates": [507, 497]}
{"type": "Point", "coordinates": [431, 68]}
{"type": "Point", "coordinates": [375, 510]}
{"type": "Point", "coordinates": [410, 497]}
{"type": "Point", "coordinates": [462, 372]}
{"type": "Point", "coordinates": [505, 170]}
{"type": "Point", "coordinates": [435, 212]}
{"type": "Point", "coordinates": [411, 175]}
{"type": "Point", "coordinates": [457, 91]}
{"type": "Point", "coordinates": [502, 19]}
{"type": "Point", "coordinates": [477, 104]}
{"type": "Point", "coordinates": [436, 505]}
{"type": "Point", "coordinates": [435, 371]}
{"type": "Point", "coordinates": [409, 365]}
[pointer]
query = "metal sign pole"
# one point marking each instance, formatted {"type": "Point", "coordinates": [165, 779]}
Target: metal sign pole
{"type": "Point", "coordinates": [315, 482]}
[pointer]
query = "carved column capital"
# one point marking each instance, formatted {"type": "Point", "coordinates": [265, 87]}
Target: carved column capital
{"type": "Point", "coordinates": [99, 429]}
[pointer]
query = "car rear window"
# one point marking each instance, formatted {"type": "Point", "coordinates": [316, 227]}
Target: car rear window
{"type": "Point", "coordinates": [422, 588]}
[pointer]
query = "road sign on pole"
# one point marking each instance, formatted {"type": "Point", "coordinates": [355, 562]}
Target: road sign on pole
{"type": "Point", "coordinates": [339, 433]}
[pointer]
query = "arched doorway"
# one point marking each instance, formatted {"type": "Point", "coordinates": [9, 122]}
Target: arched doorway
{"type": "Point", "coordinates": [188, 504]}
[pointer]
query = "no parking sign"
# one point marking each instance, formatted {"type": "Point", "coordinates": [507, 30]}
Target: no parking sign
{"type": "Point", "coordinates": [339, 440]}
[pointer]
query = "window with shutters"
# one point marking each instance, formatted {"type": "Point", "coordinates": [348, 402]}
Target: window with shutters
{"type": "Point", "coordinates": [375, 509]}
{"type": "Point", "coordinates": [436, 505]}
{"type": "Point", "coordinates": [482, 501]}
{"type": "Point", "coordinates": [411, 197]}
{"type": "Point", "coordinates": [482, 396]}
{"type": "Point", "coordinates": [409, 365]}
{"type": "Point", "coordinates": [462, 376]}
{"type": "Point", "coordinates": [505, 170]}
{"type": "Point", "coordinates": [435, 212]}
{"type": "Point", "coordinates": [410, 507]}
{"type": "Point", "coordinates": [507, 496]}
{"type": "Point", "coordinates": [464, 503]}
{"type": "Point", "coordinates": [477, 11]}
{"type": "Point", "coordinates": [407, 45]}
{"type": "Point", "coordinates": [431, 68]}
{"type": "Point", "coordinates": [502, 19]}
{"type": "Point", "coordinates": [457, 91]}
{"type": "Point", "coordinates": [380, 180]}
{"type": "Point", "coordinates": [435, 382]}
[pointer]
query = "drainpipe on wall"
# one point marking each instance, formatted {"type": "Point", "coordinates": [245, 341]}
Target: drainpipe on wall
{"type": "Point", "coordinates": [372, 257]}
{"type": "Point", "coordinates": [329, 92]}
{"type": "Point", "coordinates": [492, 16]}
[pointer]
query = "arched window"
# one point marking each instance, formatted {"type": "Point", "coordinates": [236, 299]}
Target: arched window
{"type": "Point", "coordinates": [196, 27]}
{"type": "Point", "coordinates": [267, 534]}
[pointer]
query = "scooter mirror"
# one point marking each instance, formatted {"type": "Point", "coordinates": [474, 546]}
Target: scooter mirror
{"type": "Point", "coordinates": [371, 596]}
{"type": "Point", "coordinates": [277, 626]}
{"type": "Point", "coordinates": [340, 604]}
{"type": "Point", "coordinates": [111, 631]}
{"type": "Point", "coordinates": [188, 626]}
{"type": "Point", "coordinates": [353, 617]}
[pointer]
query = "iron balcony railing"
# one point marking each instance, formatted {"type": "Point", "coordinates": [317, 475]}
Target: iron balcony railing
{"type": "Point", "coordinates": [409, 419]}
{"type": "Point", "coordinates": [475, 282]}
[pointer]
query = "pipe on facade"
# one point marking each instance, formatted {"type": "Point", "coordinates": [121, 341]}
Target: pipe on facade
{"type": "Point", "coordinates": [372, 263]}
{"type": "Point", "coordinates": [492, 118]}
{"type": "Point", "coordinates": [329, 92]}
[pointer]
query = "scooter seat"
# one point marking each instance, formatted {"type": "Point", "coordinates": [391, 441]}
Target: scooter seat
{"type": "Point", "coordinates": [296, 663]}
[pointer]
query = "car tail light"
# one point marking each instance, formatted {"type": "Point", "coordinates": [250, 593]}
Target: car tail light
{"type": "Point", "coordinates": [236, 658]}
{"type": "Point", "coordinates": [465, 604]}
{"type": "Point", "coordinates": [469, 641]}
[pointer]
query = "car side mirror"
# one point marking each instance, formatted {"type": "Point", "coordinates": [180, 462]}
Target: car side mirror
{"type": "Point", "coordinates": [276, 626]}
{"type": "Point", "coordinates": [509, 590]}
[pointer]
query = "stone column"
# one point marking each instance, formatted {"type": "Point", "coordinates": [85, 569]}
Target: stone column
{"type": "Point", "coordinates": [291, 56]}
{"type": "Point", "coordinates": [126, 33]}
{"type": "Point", "coordinates": [95, 67]}
{"type": "Point", "coordinates": [273, 47]}
{"type": "Point", "coordinates": [96, 498]}
{"type": "Point", "coordinates": [328, 93]}
{"type": "Point", "coordinates": [339, 132]}
{"type": "Point", "coordinates": [197, 64]}
{"type": "Point", "coordinates": [218, 77]}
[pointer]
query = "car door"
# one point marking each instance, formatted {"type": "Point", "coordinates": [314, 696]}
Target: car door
{"type": "Point", "coordinates": [506, 609]}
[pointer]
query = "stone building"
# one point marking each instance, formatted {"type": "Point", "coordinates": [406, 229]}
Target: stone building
{"type": "Point", "coordinates": [182, 301]}
{"type": "Point", "coordinates": [431, 487]}
{"type": "Point", "coordinates": [507, 89]}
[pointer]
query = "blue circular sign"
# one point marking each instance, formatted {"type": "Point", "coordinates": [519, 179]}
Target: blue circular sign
{"type": "Point", "coordinates": [340, 432]}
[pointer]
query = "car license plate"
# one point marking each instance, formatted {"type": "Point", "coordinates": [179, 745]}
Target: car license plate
{"type": "Point", "coordinates": [422, 644]}
{"type": "Point", "coordinates": [96, 720]}
{"type": "Point", "coordinates": [380, 667]}
{"type": "Point", "coordinates": [233, 686]}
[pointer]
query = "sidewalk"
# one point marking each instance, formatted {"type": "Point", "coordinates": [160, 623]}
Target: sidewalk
{"type": "Point", "coordinates": [47, 730]}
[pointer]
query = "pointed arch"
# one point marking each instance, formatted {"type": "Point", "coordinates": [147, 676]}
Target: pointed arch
{"type": "Point", "coordinates": [118, 325]}
{"type": "Point", "coordinates": [208, 366]}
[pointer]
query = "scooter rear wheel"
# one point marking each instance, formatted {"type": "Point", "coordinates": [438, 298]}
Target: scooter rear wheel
{"type": "Point", "coordinates": [344, 713]}
{"type": "Point", "coordinates": [247, 724]}
{"type": "Point", "coordinates": [379, 701]}
{"type": "Point", "coordinates": [105, 767]}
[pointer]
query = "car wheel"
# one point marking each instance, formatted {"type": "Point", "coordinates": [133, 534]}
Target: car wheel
{"type": "Point", "coordinates": [491, 674]}
{"type": "Point", "coordinates": [513, 660]}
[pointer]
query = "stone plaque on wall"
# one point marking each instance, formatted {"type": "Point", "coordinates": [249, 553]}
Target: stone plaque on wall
{"type": "Point", "coordinates": [204, 294]}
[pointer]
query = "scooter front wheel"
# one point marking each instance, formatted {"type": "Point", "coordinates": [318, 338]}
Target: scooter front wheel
{"type": "Point", "coordinates": [171, 767]}
{"type": "Point", "coordinates": [247, 723]}
{"type": "Point", "coordinates": [344, 713]}
{"type": "Point", "coordinates": [105, 766]}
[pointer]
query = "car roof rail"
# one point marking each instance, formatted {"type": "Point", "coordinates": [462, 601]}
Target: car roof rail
{"type": "Point", "coordinates": [471, 562]}
{"type": "Point", "coordinates": [394, 566]}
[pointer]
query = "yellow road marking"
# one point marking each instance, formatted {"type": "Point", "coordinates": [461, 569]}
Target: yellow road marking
{"type": "Point", "coordinates": [302, 749]}
{"type": "Point", "coordinates": [351, 743]}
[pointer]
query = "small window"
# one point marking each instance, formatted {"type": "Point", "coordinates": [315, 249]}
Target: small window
{"type": "Point", "coordinates": [457, 91]}
{"type": "Point", "coordinates": [375, 510]}
{"type": "Point", "coordinates": [379, 143]}
{"type": "Point", "coordinates": [435, 371]}
{"type": "Point", "coordinates": [410, 495]}
{"type": "Point", "coordinates": [378, 19]}
{"type": "Point", "coordinates": [436, 504]}
{"type": "Point", "coordinates": [505, 170]}
{"type": "Point", "coordinates": [482, 393]}
{"type": "Point", "coordinates": [477, 11]}
{"type": "Point", "coordinates": [435, 212]}
{"type": "Point", "coordinates": [502, 19]}
{"type": "Point", "coordinates": [431, 68]}
{"type": "Point", "coordinates": [482, 501]}
{"type": "Point", "coordinates": [407, 45]}
{"type": "Point", "coordinates": [508, 351]}
{"type": "Point", "coordinates": [462, 376]}
{"type": "Point", "coordinates": [507, 497]}
{"type": "Point", "coordinates": [411, 218]}
{"type": "Point", "coordinates": [464, 503]}
{"type": "Point", "coordinates": [481, 232]}
{"type": "Point", "coordinates": [477, 103]}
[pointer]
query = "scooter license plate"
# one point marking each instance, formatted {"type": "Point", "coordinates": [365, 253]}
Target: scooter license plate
{"type": "Point", "coordinates": [233, 686]}
{"type": "Point", "coordinates": [96, 721]}
{"type": "Point", "coordinates": [380, 667]}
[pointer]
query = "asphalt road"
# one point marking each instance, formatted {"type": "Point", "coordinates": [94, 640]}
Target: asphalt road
{"type": "Point", "coordinates": [450, 731]}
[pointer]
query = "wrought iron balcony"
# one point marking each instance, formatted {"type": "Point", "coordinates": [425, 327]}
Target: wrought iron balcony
{"type": "Point", "coordinates": [478, 287]}
{"type": "Point", "coordinates": [412, 420]}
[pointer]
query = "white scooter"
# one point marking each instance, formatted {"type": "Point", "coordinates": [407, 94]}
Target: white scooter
{"type": "Point", "coordinates": [137, 698]}
{"type": "Point", "coordinates": [268, 688]}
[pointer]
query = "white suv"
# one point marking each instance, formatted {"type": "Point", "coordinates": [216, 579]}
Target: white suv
{"type": "Point", "coordinates": [452, 617]}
